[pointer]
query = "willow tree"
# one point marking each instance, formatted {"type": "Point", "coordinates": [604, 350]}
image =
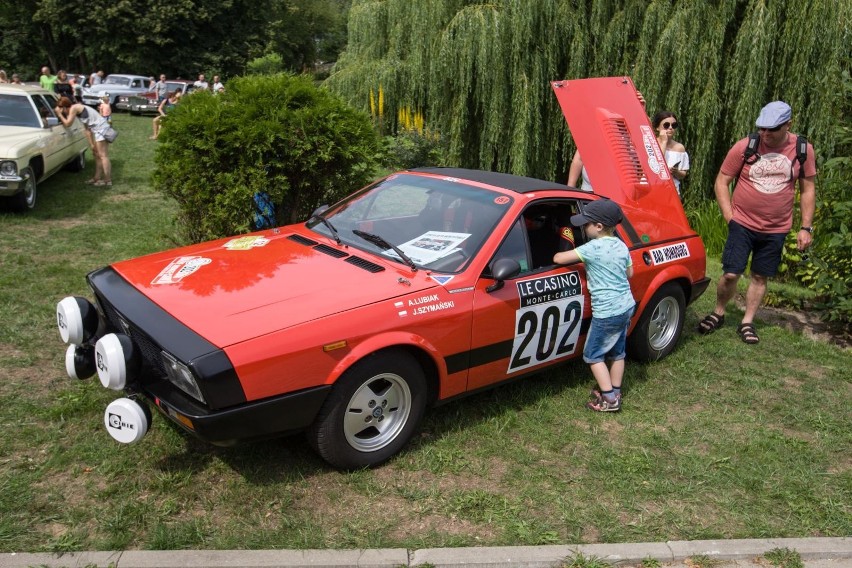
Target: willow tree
{"type": "Point", "coordinates": [480, 72]}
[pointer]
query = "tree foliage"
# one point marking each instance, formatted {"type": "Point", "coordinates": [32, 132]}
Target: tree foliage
{"type": "Point", "coordinates": [480, 72]}
{"type": "Point", "coordinates": [176, 37]}
{"type": "Point", "coordinates": [274, 134]}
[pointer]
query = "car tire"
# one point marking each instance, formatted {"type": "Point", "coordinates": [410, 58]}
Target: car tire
{"type": "Point", "coordinates": [25, 199]}
{"type": "Point", "coordinates": [78, 164]}
{"type": "Point", "coordinates": [660, 325]}
{"type": "Point", "coordinates": [371, 412]}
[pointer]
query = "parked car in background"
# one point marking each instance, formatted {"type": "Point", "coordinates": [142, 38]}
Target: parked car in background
{"type": "Point", "coordinates": [147, 103]}
{"type": "Point", "coordinates": [426, 285]}
{"type": "Point", "coordinates": [114, 86]}
{"type": "Point", "coordinates": [33, 143]}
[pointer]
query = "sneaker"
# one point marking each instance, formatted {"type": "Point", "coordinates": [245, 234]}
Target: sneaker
{"type": "Point", "coordinates": [596, 395]}
{"type": "Point", "coordinates": [603, 405]}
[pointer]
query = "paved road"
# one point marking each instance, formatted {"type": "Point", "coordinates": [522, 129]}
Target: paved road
{"type": "Point", "coordinates": [815, 553]}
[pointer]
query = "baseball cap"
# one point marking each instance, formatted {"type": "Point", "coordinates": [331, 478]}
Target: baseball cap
{"type": "Point", "coordinates": [602, 211]}
{"type": "Point", "coordinates": [774, 114]}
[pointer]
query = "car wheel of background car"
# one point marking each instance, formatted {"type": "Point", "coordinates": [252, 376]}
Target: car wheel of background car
{"type": "Point", "coordinates": [660, 325]}
{"type": "Point", "coordinates": [26, 198]}
{"type": "Point", "coordinates": [371, 412]}
{"type": "Point", "coordinates": [78, 163]}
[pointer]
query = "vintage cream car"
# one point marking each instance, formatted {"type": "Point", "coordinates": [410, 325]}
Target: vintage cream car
{"type": "Point", "coordinates": [33, 143]}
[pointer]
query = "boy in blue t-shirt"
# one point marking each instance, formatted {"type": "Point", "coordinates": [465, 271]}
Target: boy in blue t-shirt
{"type": "Point", "coordinates": [608, 266]}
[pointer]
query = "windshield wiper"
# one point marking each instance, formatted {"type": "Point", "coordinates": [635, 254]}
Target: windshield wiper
{"type": "Point", "coordinates": [331, 228]}
{"type": "Point", "coordinates": [380, 242]}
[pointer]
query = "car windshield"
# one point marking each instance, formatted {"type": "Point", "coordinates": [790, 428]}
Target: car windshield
{"type": "Point", "coordinates": [438, 223]}
{"type": "Point", "coordinates": [16, 110]}
{"type": "Point", "coordinates": [123, 81]}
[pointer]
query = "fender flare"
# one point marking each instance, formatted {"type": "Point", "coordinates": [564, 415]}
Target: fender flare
{"type": "Point", "coordinates": [675, 273]}
{"type": "Point", "coordinates": [389, 340]}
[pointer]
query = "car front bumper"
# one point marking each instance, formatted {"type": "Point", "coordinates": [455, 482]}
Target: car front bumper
{"type": "Point", "coordinates": [10, 185]}
{"type": "Point", "coordinates": [276, 416]}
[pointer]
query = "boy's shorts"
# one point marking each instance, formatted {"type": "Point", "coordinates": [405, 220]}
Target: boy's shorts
{"type": "Point", "coordinates": [765, 250]}
{"type": "Point", "coordinates": [607, 338]}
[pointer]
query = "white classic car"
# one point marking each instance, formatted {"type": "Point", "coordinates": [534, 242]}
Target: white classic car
{"type": "Point", "coordinates": [33, 143]}
{"type": "Point", "coordinates": [115, 86]}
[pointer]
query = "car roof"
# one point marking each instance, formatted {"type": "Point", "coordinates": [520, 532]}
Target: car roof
{"type": "Point", "coordinates": [518, 184]}
{"type": "Point", "coordinates": [128, 76]}
{"type": "Point", "coordinates": [10, 89]}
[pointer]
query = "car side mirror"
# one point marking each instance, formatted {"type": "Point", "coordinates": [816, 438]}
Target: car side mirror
{"type": "Point", "coordinates": [52, 121]}
{"type": "Point", "coordinates": [503, 269]}
{"type": "Point", "coordinates": [320, 210]}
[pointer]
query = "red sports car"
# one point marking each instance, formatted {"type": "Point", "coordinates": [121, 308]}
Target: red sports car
{"type": "Point", "coordinates": [424, 286]}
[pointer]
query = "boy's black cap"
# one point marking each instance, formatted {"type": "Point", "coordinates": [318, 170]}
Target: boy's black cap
{"type": "Point", "coordinates": [603, 211]}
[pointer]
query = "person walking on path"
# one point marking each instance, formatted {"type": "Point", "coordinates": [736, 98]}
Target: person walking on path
{"type": "Point", "coordinates": [760, 214]}
{"type": "Point", "coordinates": [608, 268]}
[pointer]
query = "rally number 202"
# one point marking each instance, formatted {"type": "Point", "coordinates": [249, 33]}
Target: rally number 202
{"type": "Point", "coordinates": [546, 332]}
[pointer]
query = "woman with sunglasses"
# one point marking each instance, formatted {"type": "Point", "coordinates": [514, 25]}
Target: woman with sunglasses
{"type": "Point", "coordinates": [666, 124]}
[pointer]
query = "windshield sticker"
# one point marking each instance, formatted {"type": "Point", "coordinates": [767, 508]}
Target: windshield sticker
{"type": "Point", "coordinates": [669, 253]}
{"type": "Point", "coordinates": [430, 246]}
{"type": "Point", "coordinates": [180, 268]}
{"type": "Point", "coordinates": [655, 155]}
{"type": "Point", "coordinates": [547, 322]}
{"type": "Point", "coordinates": [442, 280]}
{"type": "Point", "coordinates": [502, 200]}
{"type": "Point", "coordinates": [246, 243]}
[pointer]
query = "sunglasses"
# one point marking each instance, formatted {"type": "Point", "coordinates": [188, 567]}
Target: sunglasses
{"type": "Point", "coordinates": [776, 129]}
{"type": "Point", "coordinates": [672, 125]}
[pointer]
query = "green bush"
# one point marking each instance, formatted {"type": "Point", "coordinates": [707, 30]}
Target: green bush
{"type": "Point", "coordinates": [411, 149]}
{"type": "Point", "coordinates": [277, 134]}
{"type": "Point", "coordinates": [829, 271]}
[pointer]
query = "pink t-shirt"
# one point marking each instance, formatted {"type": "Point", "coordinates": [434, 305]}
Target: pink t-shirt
{"type": "Point", "coordinates": [764, 195]}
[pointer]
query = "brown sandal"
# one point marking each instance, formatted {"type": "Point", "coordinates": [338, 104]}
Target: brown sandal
{"type": "Point", "coordinates": [748, 334]}
{"type": "Point", "coordinates": [710, 323]}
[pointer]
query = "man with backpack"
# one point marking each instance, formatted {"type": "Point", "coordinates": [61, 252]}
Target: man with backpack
{"type": "Point", "coordinates": [764, 168]}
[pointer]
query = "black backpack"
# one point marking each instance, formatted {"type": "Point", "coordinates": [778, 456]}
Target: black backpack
{"type": "Point", "coordinates": [750, 155]}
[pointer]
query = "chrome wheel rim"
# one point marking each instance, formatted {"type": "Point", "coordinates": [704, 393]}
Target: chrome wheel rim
{"type": "Point", "coordinates": [663, 325]}
{"type": "Point", "coordinates": [377, 412]}
{"type": "Point", "coordinates": [29, 191]}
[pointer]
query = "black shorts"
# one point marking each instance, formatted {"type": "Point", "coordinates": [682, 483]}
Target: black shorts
{"type": "Point", "coordinates": [765, 250]}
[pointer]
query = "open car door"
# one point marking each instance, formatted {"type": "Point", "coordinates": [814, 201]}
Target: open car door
{"type": "Point", "coordinates": [619, 148]}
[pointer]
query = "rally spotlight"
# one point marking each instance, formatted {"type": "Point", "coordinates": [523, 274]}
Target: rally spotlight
{"type": "Point", "coordinates": [116, 360]}
{"type": "Point", "coordinates": [77, 320]}
{"type": "Point", "coordinates": [80, 361]}
{"type": "Point", "coordinates": [127, 420]}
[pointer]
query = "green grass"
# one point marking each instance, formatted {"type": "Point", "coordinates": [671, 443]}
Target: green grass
{"type": "Point", "coordinates": [719, 440]}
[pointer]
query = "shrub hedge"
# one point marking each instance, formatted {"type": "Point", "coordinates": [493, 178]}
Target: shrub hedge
{"type": "Point", "coordinates": [274, 134]}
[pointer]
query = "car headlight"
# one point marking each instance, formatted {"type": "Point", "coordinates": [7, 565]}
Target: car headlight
{"type": "Point", "coordinates": [8, 168]}
{"type": "Point", "coordinates": [180, 376]}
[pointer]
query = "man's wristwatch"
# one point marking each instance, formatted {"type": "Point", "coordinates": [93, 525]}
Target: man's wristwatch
{"type": "Point", "coordinates": [808, 229]}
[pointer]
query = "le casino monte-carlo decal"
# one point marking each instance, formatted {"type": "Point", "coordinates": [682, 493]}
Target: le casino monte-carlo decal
{"type": "Point", "coordinates": [547, 322]}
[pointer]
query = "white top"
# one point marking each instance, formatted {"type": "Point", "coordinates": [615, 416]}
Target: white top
{"type": "Point", "coordinates": [679, 160]}
{"type": "Point", "coordinates": [586, 185]}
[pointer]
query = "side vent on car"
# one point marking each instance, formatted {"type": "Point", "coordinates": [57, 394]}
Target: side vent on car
{"type": "Point", "coordinates": [302, 240]}
{"type": "Point", "coordinates": [365, 264]}
{"type": "Point", "coordinates": [624, 151]}
{"type": "Point", "coordinates": [331, 251]}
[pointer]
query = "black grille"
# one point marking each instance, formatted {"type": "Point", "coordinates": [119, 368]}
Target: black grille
{"type": "Point", "coordinates": [302, 240]}
{"type": "Point", "coordinates": [365, 264]}
{"type": "Point", "coordinates": [331, 251]}
{"type": "Point", "coordinates": [149, 350]}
